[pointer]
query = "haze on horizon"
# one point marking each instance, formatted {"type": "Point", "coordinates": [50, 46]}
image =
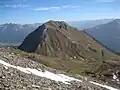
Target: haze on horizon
{"type": "Point", "coordinates": [29, 11]}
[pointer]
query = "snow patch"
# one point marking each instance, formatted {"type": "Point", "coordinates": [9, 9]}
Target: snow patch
{"type": "Point", "coordinates": [115, 77]}
{"type": "Point", "coordinates": [56, 77]}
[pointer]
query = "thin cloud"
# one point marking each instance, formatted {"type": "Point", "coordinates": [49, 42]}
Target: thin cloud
{"type": "Point", "coordinates": [46, 8]}
{"type": "Point", "coordinates": [70, 6]}
{"type": "Point", "coordinates": [16, 6]}
{"type": "Point", "coordinates": [13, 4]}
{"type": "Point", "coordinates": [12, 1]}
{"type": "Point", "coordinates": [105, 0]}
{"type": "Point", "coordinates": [54, 8]}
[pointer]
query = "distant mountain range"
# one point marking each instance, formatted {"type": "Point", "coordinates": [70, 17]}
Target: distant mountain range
{"type": "Point", "coordinates": [107, 31]}
{"type": "Point", "coordinates": [108, 34]}
{"type": "Point", "coordinates": [88, 23]}
{"type": "Point", "coordinates": [15, 33]}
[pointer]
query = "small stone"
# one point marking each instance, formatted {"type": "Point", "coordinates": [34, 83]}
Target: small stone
{"type": "Point", "coordinates": [5, 67]}
{"type": "Point", "coordinates": [74, 57]}
{"type": "Point", "coordinates": [3, 77]}
{"type": "Point", "coordinates": [69, 38]}
{"type": "Point", "coordinates": [73, 41]}
{"type": "Point", "coordinates": [47, 88]}
{"type": "Point", "coordinates": [12, 53]}
{"type": "Point", "coordinates": [35, 86]}
{"type": "Point", "coordinates": [58, 49]}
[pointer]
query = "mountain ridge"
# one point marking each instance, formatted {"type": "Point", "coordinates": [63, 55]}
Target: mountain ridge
{"type": "Point", "coordinates": [108, 34]}
{"type": "Point", "coordinates": [15, 33]}
{"type": "Point", "coordinates": [60, 46]}
{"type": "Point", "coordinates": [89, 23]}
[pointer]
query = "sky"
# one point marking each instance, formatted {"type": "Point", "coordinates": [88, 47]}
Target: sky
{"type": "Point", "coordinates": [39, 11]}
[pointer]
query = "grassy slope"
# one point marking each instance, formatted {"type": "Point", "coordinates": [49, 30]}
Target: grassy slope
{"type": "Point", "coordinates": [90, 61]}
{"type": "Point", "coordinates": [91, 57]}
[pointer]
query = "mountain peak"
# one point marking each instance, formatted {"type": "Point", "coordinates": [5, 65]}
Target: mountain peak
{"type": "Point", "coordinates": [69, 49]}
{"type": "Point", "coordinates": [56, 38]}
{"type": "Point", "coordinates": [49, 32]}
{"type": "Point", "coordinates": [52, 21]}
{"type": "Point", "coordinates": [57, 24]}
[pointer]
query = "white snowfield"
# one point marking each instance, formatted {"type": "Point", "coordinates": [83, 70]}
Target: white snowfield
{"type": "Point", "coordinates": [49, 75]}
{"type": "Point", "coordinates": [56, 77]}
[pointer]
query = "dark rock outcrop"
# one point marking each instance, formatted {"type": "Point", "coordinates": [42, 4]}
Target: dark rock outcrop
{"type": "Point", "coordinates": [33, 40]}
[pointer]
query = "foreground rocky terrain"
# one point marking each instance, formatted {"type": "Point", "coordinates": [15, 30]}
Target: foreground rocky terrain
{"type": "Point", "coordinates": [19, 73]}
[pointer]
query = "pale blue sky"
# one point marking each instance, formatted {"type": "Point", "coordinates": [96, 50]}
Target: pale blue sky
{"type": "Point", "coordinates": [36, 11]}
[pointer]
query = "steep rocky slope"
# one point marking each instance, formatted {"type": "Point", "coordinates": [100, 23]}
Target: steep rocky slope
{"type": "Point", "coordinates": [63, 47]}
{"type": "Point", "coordinates": [59, 39]}
{"type": "Point", "coordinates": [20, 73]}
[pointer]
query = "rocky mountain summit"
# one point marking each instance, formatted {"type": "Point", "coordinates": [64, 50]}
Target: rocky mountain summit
{"type": "Point", "coordinates": [63, 47]}
{"type": "Point", "coordinates": [56, 38]}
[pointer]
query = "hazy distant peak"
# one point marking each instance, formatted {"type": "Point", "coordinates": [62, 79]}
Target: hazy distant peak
{"type": "Point", "coordinates": [116, 21]}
